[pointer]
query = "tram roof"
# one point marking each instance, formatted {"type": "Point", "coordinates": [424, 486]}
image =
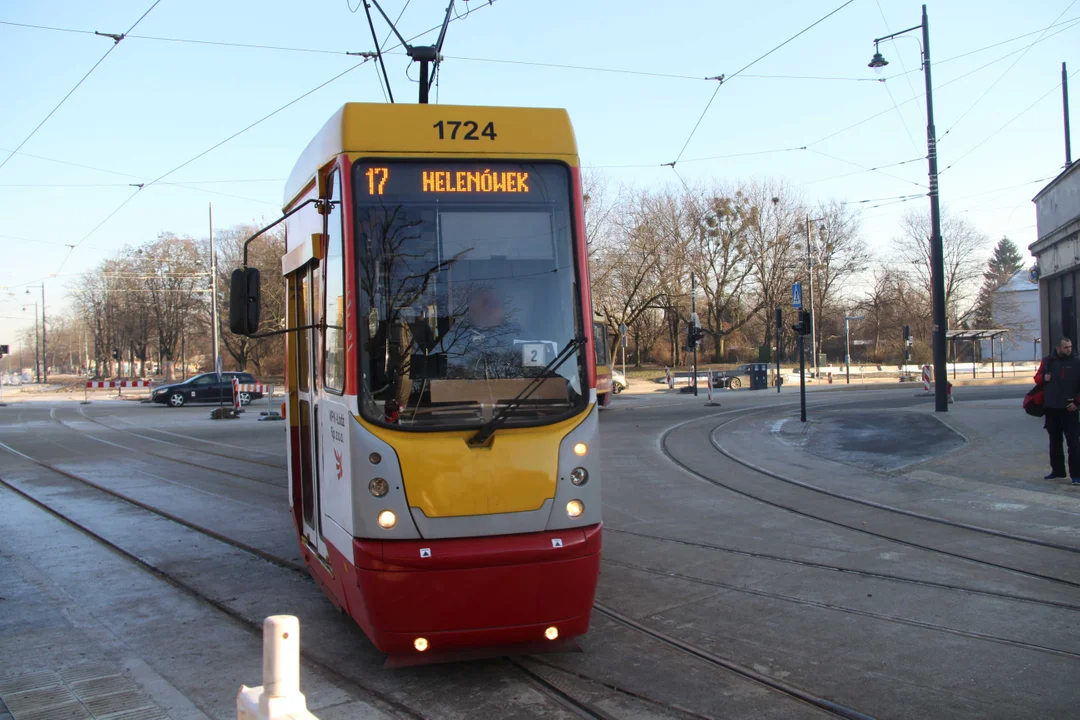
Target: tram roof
{"type": "Point", "coordinates": [381, 129]}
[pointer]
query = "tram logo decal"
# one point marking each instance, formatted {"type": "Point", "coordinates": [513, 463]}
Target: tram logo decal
{"type": "Point", "coordinates": [337, 462]}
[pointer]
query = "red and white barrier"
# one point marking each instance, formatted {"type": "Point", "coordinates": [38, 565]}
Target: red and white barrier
{"type": "Point", "coordinates": [99, 384]}
{"type": "Point", "coordinates": [670, 380]}
{"type": "Point", "coordinates": [238, 387]}
{"type": "Point", "coordinates": [93, 384]}
{"type": "Point", "coordinates": [259, 388]}
{"type": "Point", "coordinates": [926, 379]}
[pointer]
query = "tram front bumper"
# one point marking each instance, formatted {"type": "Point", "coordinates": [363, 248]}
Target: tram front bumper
{"type": "Point", "coordinates": [476, 592]}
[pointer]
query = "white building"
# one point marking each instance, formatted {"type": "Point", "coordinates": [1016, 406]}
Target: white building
{"type": "Point", "coordinates": [1015, 306]}
{"type": "Point", "coordinates": [1057, 214]}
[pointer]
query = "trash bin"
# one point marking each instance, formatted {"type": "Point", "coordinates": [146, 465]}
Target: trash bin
{"type": "Point", "coordinates": [759, 376]}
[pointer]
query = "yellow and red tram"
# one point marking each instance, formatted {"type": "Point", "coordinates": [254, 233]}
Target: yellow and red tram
{"type": "Point", "coordinates": [441, 373]}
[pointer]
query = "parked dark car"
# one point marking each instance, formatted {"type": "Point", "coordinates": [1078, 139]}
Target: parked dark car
{"type": "Point", "coordinates": [205, 388]}
{"type": "Point", "coordinates": [733, 379]}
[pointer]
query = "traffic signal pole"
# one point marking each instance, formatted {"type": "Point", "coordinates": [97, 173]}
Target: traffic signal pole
{"type": "Point", "coordinates": [802, 377]}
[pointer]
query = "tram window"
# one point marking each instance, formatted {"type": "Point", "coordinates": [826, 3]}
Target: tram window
{"type": "Point", "coordinates": [600, 343]}
{"type": "Point", "coordinates": [465, 298]}
{"type": "Point", "coordinates": [303, 355]}
{"type": "Point", "coordinates": [334, 366]}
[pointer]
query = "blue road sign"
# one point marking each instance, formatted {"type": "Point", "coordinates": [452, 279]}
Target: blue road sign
{"type": "Point", "coordinates": [796, 296]}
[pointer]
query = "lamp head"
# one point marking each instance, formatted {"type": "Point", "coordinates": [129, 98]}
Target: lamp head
{"type": "Point", "coordinates": [878, 62]}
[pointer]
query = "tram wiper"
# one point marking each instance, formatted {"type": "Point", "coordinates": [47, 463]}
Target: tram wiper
{"type": "Point", "coordinates": [488, 429]}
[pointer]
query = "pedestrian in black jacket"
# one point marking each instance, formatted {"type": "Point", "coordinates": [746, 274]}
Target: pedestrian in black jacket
{"type": "Point", "coordinates": [1059, 377]}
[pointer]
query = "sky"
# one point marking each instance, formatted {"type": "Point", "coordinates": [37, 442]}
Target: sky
{"type": "Point", "coordinates": [208, 120]}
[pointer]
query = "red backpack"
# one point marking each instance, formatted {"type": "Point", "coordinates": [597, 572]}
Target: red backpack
{"type": "Point", "coordinates": [1033, 402]}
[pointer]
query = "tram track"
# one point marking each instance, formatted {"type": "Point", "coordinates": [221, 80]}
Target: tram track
{"type": "Point", "coordinates": [823, 516]}
{"type": "Point", "coordinates": [584, 709]}
{"type": "Point", "coordinates": [162, 456]}
{"type": "Point", "coordinates": [581, 708]}
{"type": "Point", "coordinates": [555, 694]}
{"type": "Point", "coordinates": [847, 570]}
{"type": "Point", "coordinates": [250, 624]}
{"type": "Point", "coordinates": [203, 441]}
{"type": "Point", "coordinates": [783, 597]}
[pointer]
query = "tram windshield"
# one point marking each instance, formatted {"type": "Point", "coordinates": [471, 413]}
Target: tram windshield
{"type": "Point", "coordinates": [466, 293]}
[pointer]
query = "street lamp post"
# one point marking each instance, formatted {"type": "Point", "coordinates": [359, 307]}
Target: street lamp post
{"type": "Point", "coordinates": [37, 345]}
{"type": "Point", "coordinates": [44, 377]}
{"type": "Point", "coordinates": [937, 261]}
{"type": "Point", "coordinates": [847, 344]}
{"type": "Point", "coordinates": [810, 257]}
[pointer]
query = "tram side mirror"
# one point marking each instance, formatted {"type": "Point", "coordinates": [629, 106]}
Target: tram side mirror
{"type": "Point", "coordinates": [244, 301]}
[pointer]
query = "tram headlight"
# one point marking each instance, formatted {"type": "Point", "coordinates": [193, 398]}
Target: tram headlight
{"type": "Point", "coordinates": [580, 449]}
{"type": "Point", "coordinates": [574, 508]}
{"type": "Point", "coordinates": [387, 519]}
{"type": "Point", "coordinates": [551, 633]}
{"type": "Point", "coordinates": [378, 487]}
{"type": "Point", "coordinates": [579, 476]}
{"type": "Point", "coordinates": [374, 458]}
{"type": "Point", "coordinates": [421, 644]}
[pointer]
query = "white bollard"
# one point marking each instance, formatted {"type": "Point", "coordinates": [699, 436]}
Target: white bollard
{"type": "Point", "coordinates": [279, 696]}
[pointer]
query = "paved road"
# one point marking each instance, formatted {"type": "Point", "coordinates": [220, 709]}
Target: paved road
{"type": "Point", "coordinates": [740, 570]}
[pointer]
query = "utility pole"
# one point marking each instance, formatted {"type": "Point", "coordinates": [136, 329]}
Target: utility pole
{"type": "Point", "coordinates": [1065, 104]}
{"type": "Point", "coordinates": [937, 255]}
{"type": "Point", "coordinates": [213, 292]}
{"type": "Point", "coordinates": [44, 344]}
{"type": "Point", "coordinates": [694, 324]}
{"type": "Point", "coordinates": [37, 348]}
{"type": "Point", "coordinates": [779, 319]}
{"type": "Point", "coordinates": [847, 344]}
{"type": "Point", "coordinates": [622, 343]}
{"type": "Point", "coordinates": [810, 279]}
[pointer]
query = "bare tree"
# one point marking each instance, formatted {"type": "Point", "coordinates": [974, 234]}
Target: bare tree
{"type": "Point", "coordinates": [719, 254]}
{"type": "Point", "coordinates": [625, 266]}
{"type": "Point", "coordinates": [964, 249]}
{"type": "Point", "coordinates": [176, 280]}
{"type": "Point", "coordinates": [265, 354]}
{"type": "Point", "coordinates": [838, 255]}
{"type": "Point", "coordinates": [775, 216]}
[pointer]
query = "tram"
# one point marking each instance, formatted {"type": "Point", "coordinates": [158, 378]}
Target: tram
{"type": "Point", "coordinates": [441, 373]}
{"type": "Point", "coordinates": [602, 345]}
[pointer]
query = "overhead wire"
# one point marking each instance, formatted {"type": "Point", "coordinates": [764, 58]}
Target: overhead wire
{"type": "Point", "coordinates": [867, 169]}
{"type": "Point", "coordinates": [233, 136]}
{"type": "Point", "coordinates": [722, 78]}
{"type": "Point", "coordinates": [1007, 124]}
{"type": "Point", "coordinates": [900, 59]}
{"type": "Point", "coordinates": [1000, 77]}
{"type": "Point", "coordinates": [378, 50]}
{"type": "Point", "coordinates": [944, 84]}
{"type": "Point", "coordinates": [116, 42]}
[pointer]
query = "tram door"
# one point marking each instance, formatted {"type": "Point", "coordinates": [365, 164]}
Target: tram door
{"type": "Point", "coordinates": [308, 310]}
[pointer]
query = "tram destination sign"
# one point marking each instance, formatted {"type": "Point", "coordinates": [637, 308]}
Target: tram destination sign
{"type": "Point", "coordinates": [517, 182]}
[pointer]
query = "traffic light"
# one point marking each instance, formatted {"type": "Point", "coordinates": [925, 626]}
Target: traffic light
{"type": "Point", "coordinates": [116, 353]}
{"type": "Point", "coordinates": [803, 326]}
{"type": "Point", "coordinates": [694, 335]}
{"type": "Point", "coordinates": [4, 351]}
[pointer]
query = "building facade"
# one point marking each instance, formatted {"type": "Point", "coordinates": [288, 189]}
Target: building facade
{"type": "Point", "coordinates": [1015, 307]}
{"type": "Point", "coordinates": [1057, 251]}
